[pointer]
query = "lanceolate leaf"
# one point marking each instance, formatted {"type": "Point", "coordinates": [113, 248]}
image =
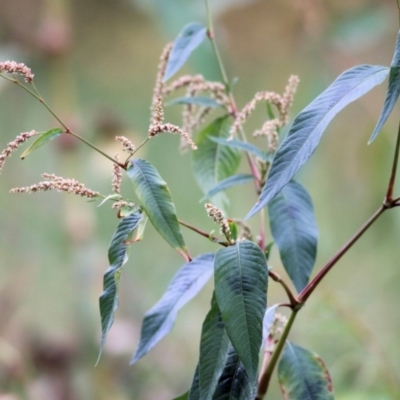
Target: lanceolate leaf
{"type": "Point", "coordinates": [156, 200]}
{"type": "Point", "coordinates": [237, 144]}
{"type": "Point", "coordinates": [41, 140]}
{"type": "Point", "coordinates": [214, 347]}
{"type": "Point", "coordinates": [234, 383]}
{"type": "Point", "coordinates": [238, 179]}
{"type": "Point", "coordinates": [393, 92]}
{"type": "Point", "coordinates": [241, 279]}
{"type": "Point", "coordinates": [213, 162]}
{"type": "Point", "coordinates": [295, 232]}
{"type": "Point", "coordinates": [117, 256]}
{"type": "Point", "coordinates": [187, 282]}
{"type": "Point", "coordinates": [310, 124]}
{"type": "Point", "coordinates": [196, 100]}
{"type": "Point", "coordinates": [188, 40]}
{"type": "Point", "coordinates": [194, 392]}
{"type": "Point", "coordinates": [303, 375]}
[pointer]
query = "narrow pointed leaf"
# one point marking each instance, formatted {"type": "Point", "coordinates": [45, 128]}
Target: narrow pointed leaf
{"type": "Point", "coordinates": [117, 256]}
{"type": "Point", "coordinates": [195, 100]}
{"type": "Point", "coordinates": [187, 282]}
{"type": "Point", "coordinates": [213, 162]}
{"type": "Point", "coordinates": [393, 91]}
{"type": "Point", "coordinates": [234, 180]}
{"type": "Point", "coordinates": [303, 375]}
{"type": "Point", "coordinates": [191, 36]}
{"type": "Point", "coordinates": [295, 232]}
{"type": "Point", "coordinates": [241, 279]}
{"type": "Point", "coordinates": [250, 148]}
{"type": "Point", "coordinates": [156, 200]}
{"type": "Point", "coordinates": [214, 348]}
{"type": "Point", "coordinates": [234, 383]}
{"type": "Point", "coordinates": [194, 392]}
{"type": "Point", "coordinates": [310, 124]}
{"type": "Point", "coordinates": [41, 140]}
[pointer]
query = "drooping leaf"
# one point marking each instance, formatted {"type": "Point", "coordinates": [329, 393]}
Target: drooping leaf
{"type": "Point", "coordinates": [241, 278]}
{"type": "Point", "coordinates": [187, 282]}
{"type": "Point", "coordinates": [310, 124]}
{"type": "Point", "coordinates": [214, 347]}
{"type": "Point", "coordinates": [213, 162]}
{"type": "Point", "coordinates": [295, 232]}
{"type": "Point", "coordinates": [303, 375]}
{"type": "Point", "coordinates": [195, 100]}
{"type": "Point", "coordinates": [234, 383]}
{"type": "Point", "coordinates": [238, 179]}
{"type": "Point", "coordinates": [117, 257]}
{"type": "Point", "coordinates": [141, 228]}
{"type": "Point", "coordinates": [194, 392]}
{"type": "Point", "coordinates": [393, 91]}
{"type": "Point", "coordinates": [188, 40]}
{"type": "Point", "coordinates": [268, 321]}
{"type": "Point", "coordinates": [42, 139]}
{"type": "Point", "coordinates": [156, 200]}
{"type": "Point", "coordinates": [237, 144]}
{"type": "Point", "coordinates": [114, 196]}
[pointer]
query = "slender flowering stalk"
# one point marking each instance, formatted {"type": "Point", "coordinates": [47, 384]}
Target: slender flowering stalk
{"type": "Point", "coordinates": [61, 184]}
{"type": "Point", "coordinates": [12, 67]}
{"type": "Point", "coordinates": [12, 146]}
{"type": "Point", "coordinates": [117, 176]}
{"type": "Point", "coordinates": [170, 128]}
{"type": "Point", "coordinates": [127, 145]}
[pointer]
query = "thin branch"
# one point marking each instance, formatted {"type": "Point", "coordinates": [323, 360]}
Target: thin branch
{"type": "Point", "coordinates": [203, 233]}
{"type": "Point", "coordinates": [275, 277]}
{"type": "Point", "coordinates": [389, 192]}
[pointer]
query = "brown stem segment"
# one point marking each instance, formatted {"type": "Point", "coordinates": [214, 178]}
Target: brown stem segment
{"type": "Point", "coordinates": [275, 277]}
{"type": "Point", "coordinates": [203, 233]}
{"type": "Point", "coordinates": [389, 192]}
{"type": "Point", "coordinates": [306, 292]}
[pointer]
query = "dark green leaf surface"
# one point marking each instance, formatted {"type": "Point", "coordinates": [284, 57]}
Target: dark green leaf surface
{"type": "Point", "coordinates": [117, 257]}
{"type": "Point", "coordinates": [213, 162]}
{"type": "Point", "coordinates": [195, 100]}
{"type": "Point", "coordinates": [303, 375]}
{"type": "Point", "coordinates": [214, 347]}
{"type": "Point", "coordinates": [41, 140]}
{"type": "Point", "coordinates": [234, 180]}
{"type": "Point", "coordinates": [188, 40]}
{"type": "Point", "coordinates": [310, 124]}
{"type": "Point", "coordinates": [241, 279]}
{"type": "Point", "coordinates": [237, 144]}
{"type": "Point", "coordinates": [393, 91]}
{"type": "Point", "coordinates": [295, 232]}
{"type": "Point", "coordinates": [194, 392]}
{"type": "Point", "coordinates": [187, 282]}
{"type": "Point", "coordinates": [234, 383]}
{"type": "Point", "coordinates": [156, 200]}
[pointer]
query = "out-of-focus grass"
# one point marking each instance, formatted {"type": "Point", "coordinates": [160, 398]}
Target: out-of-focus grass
{"type": "Point", "coordinates": [53, 247]}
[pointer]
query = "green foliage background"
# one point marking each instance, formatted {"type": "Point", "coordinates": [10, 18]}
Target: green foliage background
{"type": "Point", "coordinates": [95, 62]}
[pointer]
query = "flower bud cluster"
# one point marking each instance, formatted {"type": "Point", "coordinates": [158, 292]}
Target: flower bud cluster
{"type": "Point", "coordinates": [219, 217]}
{"type": "Point", "coordinates": [12, 67]}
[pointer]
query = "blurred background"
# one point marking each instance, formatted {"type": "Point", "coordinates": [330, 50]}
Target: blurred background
{"type": "Point", "coordinates": [95, 61]}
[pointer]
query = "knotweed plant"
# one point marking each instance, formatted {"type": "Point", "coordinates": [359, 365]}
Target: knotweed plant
{"type": "Point", "coordinates": [244, 338]}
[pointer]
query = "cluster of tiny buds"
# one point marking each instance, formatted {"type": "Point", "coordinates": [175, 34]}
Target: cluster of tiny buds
{"type": "Point", "coordinates": [117, 176]}
{"type": "Point", "coordinates": [155, 130]}
{"type": "Point", "coordinates": [58, 183]}
{"type": "Point", "coordinates": [127, 145]}
{"type": "Point", "coordinates": [13, 67]}
{"type": "Point", "coordinates": [121, 204]}
{"type": "Point", "coordinates": [218, 216]}
{"type": "Point", "coordinates": [12, 146]}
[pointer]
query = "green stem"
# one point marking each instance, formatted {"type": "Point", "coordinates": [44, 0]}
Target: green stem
{"type": "Point", "coordinates": [265, 376]}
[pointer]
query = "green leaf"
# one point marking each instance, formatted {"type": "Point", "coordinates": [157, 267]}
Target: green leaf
{"type": "Point", "coordinates": [250, 148]}
{"type": "Point", "coordinates": [117, 257]}
{"type": "Point", "coordinates": [234, 383]}
{"type": "Point", "coordinates": [214, 348]}
{"type": "Point", "coordinates": [191, 36]}
{"type": "Point", "coordinates": [310, 124]}
{"type": "Point", "coordinates": [238, 179]}
{"type": "Point", "coordinates": [303, 375]}
{"type": "Point", "coordinates": [241, 278]}
{"type": "Point", "coordinates": [42, 139]}
{"type": "Point", "coordinates": [184, 396]}
{"type": "Point", "coordinates": [195, 100]}
{"type": "Point", "coordinates": [113, 196]}
{"type": "Point", "coordinates": [213, 162]}
{"type": "Point", "coordinates": [295, 232]}
{"type": "Point", "coordinates": [156, 200]}
{"type": "Point", "coordinates": [393, 91]}
{"type": "Point", "coordinates": [194, 392]}
{"type": "Point", "coordinates": [185, 285]}
{"type": "Point", "coordinates": [141, 228]}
